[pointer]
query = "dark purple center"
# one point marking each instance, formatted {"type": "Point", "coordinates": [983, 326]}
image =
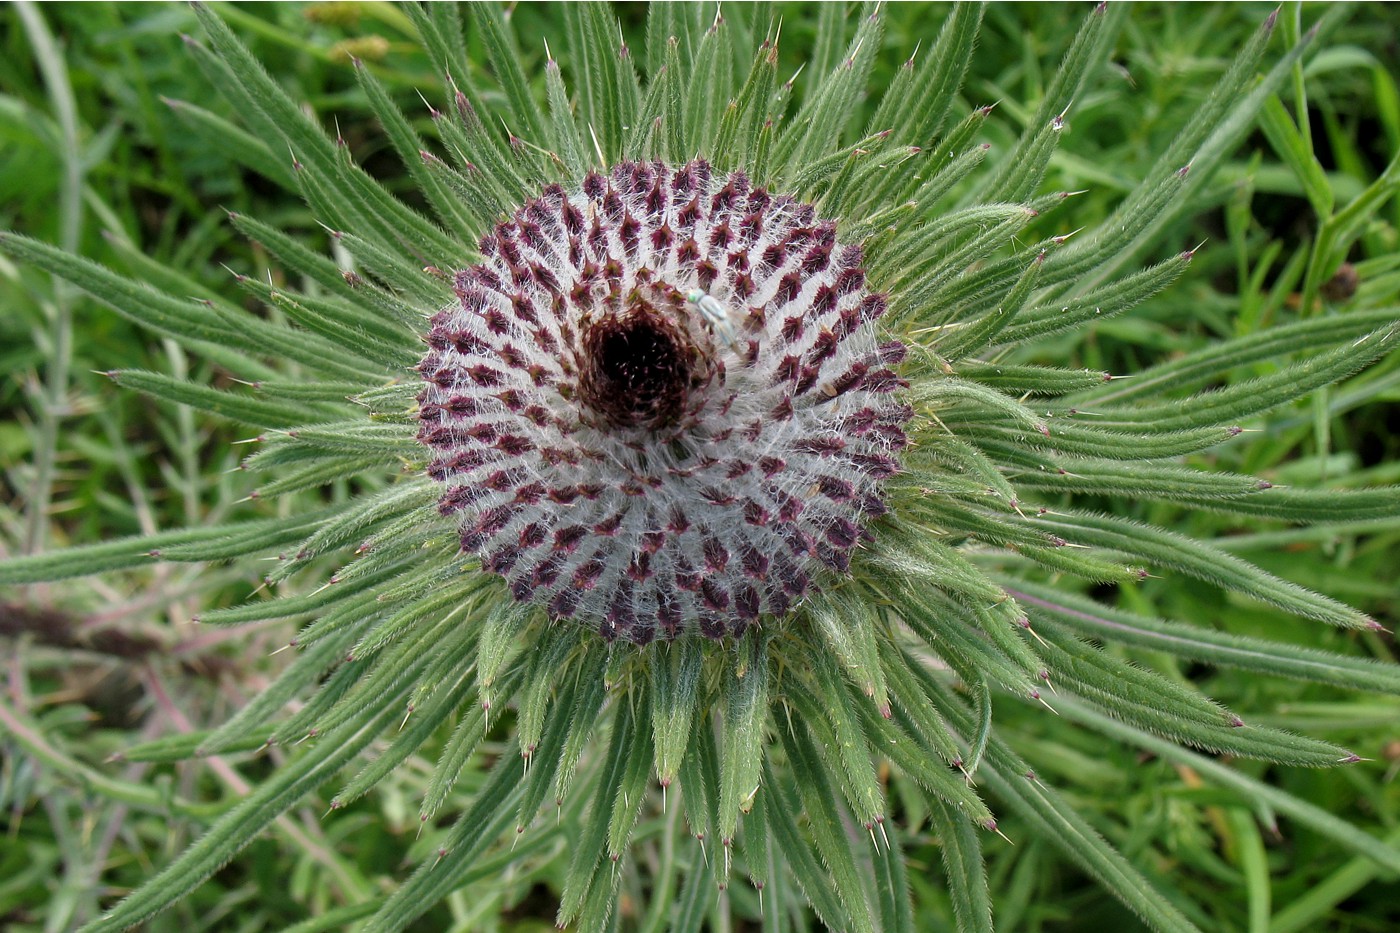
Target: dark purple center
{"type": "Point", "coordinates": [637, 368]}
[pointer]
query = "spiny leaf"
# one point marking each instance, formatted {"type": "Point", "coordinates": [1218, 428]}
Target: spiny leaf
{"type": "Point", "coordinates": [675, 670]}
{"type": "Point", "coordinates": [823, 814]}
{"type": "Point", "coordinates": [1200, 643]}
{"type": "Point", "coordinates": [745, 718]}
{"type": "Point", "coordinates": [477, 828]}
{"type": "Point", "coordinates": [279, 793]}
{"type": "Point", "coordinates": [490, 23]}
{"type": "Point", "coordinates": [1173, 551]}
{"type": "Point", "coordinates": [1060, 823]}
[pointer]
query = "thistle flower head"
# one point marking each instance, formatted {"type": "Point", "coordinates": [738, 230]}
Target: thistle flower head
{"type": "Point", "coordinates": [732, 463]}
{"type": "Point", "coordinates": [624, 455]}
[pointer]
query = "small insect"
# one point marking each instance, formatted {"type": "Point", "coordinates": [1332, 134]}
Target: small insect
{"type": "Point", "coordinates": [716, 315]}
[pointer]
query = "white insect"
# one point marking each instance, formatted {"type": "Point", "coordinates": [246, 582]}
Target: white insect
{"type": "Point", "coordinates": [716, 315]}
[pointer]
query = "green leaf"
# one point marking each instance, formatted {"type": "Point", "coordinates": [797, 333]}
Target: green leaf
{"type": "Point", "coordinates": [1252, 397]}
{"type": "Point", "coordinates": [215, 542]}
{"type": "Point", "coordinates": [848, 627]}
{"type": "Point", "coordinates": [631, 790]}
{"type": "Point", "coordinates": [744, 117]}
{"type": "Point", "coordinates": [823, 811]}
{"type": "Point", "coordinates": [311, 664]}
{"type": "Point", "coordinates": [1285, 139]}
{"type": "Point", "coordinates": [1199, 643]}
{"type": "Point", "coordinates": [544, 661]}
{"type": "Point", "coordinates": [566, 134]}
{"type": "Point", "coordinates": [836, 726]}
{"type": "Point", "coordinates": [1206, 364]}
{"type": "Point", "coordinates": [243, 146]}
{"type": "Point", "coordinates": [964, 868]}
{"type": "Point", "coordinates": [825, 111]}
{"type": "Point", "coordinates": [490, 23]}
{"type": "Point", "coordinates": [675, 670]}
{"type": "Point", "coordinates": [587, 703]}
{"type": "Point", "coordinates": [1213, 131]}
{"type": "Point", "coordinates": [279, 793]}
{"type": "Point", "coordinates": [1173, 551]}
{"type": "Point", "coordinates": [896, 910]}
{"type": "Point", "coordinates": [542, 764]}
{"type": "Point", "coordinates": [480, 826]}
{"type": "Point", "coordinates": [1027, 160]}
{"type": "Point", "coordinates": [1061, 824]}
{"type": "Point", "coordinates": [450, 209]}
{"type": "Point", "coordinates": [1151, 701]}
{"type": "Point", "coordinates": [1339, 831]}
{"type": "Point", "coordinates": [591, 29]}
{"type": "Point", "coordinates": [783, 810]}
{"type": "Point", "coordinates": [229, 405]}
{"type": "Point", "coordinates": [590, 847]}
{"type": "Point", "coordinates": [709, 86]}
{"type": "Point", "coordinates": [362, 201]}
{"type": "Point", "coordinates": [743, 737]}
{"type": "Point", "coordinates": [918, 100]}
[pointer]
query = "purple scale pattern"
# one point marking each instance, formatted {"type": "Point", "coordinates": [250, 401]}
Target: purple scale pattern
{"type": "Point", "coordinates": [750, 476]}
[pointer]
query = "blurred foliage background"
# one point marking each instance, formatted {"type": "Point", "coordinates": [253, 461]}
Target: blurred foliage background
{"type": "Point", "coordinates": [114, 146]}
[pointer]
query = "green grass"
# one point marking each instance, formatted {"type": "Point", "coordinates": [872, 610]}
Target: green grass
{"type": "Point", "coordinates": [93, 158]}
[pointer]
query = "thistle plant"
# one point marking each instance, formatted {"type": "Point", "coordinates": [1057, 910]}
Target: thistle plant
{"type": "Point", "coordinates": [708, 475]}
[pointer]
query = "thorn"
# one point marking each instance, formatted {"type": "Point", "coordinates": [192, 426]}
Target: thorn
{"type": "Point", "coordinates": [597, 147]}
{"type": "Point", "coordinates": [1191, 253]}
{"type": "Point", "coordinates": [851, 59]}
{"type": "Point", "coordinates": [1034, 634]}
{"type": "Point", "coordinates": [787, 85]}
{"type": "Point", "coordinates": [433, 112]}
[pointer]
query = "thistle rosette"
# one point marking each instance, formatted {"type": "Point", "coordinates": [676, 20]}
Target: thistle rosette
{"type": "Point", "coordinates": [621, 460]}
{"type": "Point", "coordinates": [739, 472]}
